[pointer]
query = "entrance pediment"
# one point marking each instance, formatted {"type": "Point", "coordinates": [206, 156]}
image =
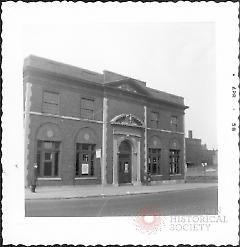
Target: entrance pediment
{"type": "Point", "coordinates": [127, 120]}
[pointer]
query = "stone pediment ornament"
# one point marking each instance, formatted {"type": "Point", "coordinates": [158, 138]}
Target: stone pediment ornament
{"type": "Point", "coordinates": [127, 87]}
{"type": "Point", "coordinates": [127, 120]}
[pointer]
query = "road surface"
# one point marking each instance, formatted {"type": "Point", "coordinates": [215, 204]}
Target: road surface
{"type": "Point", "coordinates": [188, 202]}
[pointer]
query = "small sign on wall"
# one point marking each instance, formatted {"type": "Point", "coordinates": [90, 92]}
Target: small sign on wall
{"type": "Point", "coordinates": [98, 153]}
{"type": "Point", "coordinates": [84, 168]}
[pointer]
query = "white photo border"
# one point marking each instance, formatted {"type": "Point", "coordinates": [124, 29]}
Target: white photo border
{"type": "Point", "coordinates": [18, 229]}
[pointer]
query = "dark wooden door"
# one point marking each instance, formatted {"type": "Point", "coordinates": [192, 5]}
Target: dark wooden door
{"type": "Point", "coordinates": [124, 166]}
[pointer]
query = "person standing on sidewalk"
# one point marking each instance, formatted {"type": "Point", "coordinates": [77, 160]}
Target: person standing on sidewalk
{"type": "Point", "coordinates": [34, 178]}
{"type": "Point", "coordinates": [149, 178]}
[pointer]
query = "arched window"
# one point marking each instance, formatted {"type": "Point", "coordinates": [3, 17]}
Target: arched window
{"type": "Point", "coordinates": [48, 153]}
{"type": "Point", "coordinates": [174, 157]}
{"type": "Point", "coordinates": [48, 150]}
{"type": "Point", "coordinates": [85, 153]}
{"type": "Point", "coordinates": [85, 159]}
{"type": "Point", "coordinates": [154, 156]}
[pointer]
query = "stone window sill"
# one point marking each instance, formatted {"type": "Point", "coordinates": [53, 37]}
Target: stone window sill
{"type": "Point", "coordinates": [84, 178]}
{"type": "Point", "coordinates": [48, 178]}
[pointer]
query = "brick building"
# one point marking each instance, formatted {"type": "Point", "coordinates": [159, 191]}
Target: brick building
{"type": "Point", "coordinates": [83, 127]}
{"type": "Point", "coordinates": [196, 152]}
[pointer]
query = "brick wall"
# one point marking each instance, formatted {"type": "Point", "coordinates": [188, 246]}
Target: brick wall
{"type": "Point", "coordinates": [69, 99]}
{"type": "Point", "coordinates": [69, 130]}
{"type": "Point", "coordinates": [69, 121]}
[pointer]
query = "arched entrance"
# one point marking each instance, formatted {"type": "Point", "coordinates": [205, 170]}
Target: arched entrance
{"type": "Point", "coordinates": [127, 134]}
{"type": "Point", "coordinates": [124, 163]}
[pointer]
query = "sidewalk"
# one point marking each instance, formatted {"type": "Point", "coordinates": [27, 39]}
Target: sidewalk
{"type": "Point", "coordinates": [67, 192]}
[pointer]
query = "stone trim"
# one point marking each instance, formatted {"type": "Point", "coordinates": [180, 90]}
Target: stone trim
{"type": "Point", "coordinates": [85, 178]}
{"type": "Point", "coordinates": [145, 140]}
{"type": "Point", "coordinates": [167, 131]}
{"type": "Point", "coordinates": [127, 120]}
{"type": "Point", "coordinates": [42, 178]}
{"type": "Point", "coordinates": [104, 142]}
{"type": "Point", "coordinates": [65, 117]}
{"type": "Point", "coordinates": [173, 181]}
{"type": "Point", "coordinates": [138, 163]}
{"type": "Point", "coordinates": [184, 168]}
{"type": "Point", "coordinates": [135, 157]}
{"type": "Point", "coordinates": [117, 132]}
{"type": "Point", "coordinates": [27, 130]}
{"type": "Point", "coordinates": [115, 161]}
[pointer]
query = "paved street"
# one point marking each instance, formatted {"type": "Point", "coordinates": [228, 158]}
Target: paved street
{"type": "Point", "coordinates": [188, 202]}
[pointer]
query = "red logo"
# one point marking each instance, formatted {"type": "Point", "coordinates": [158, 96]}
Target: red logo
{"type": "Point", "coordinates": [149, 221]}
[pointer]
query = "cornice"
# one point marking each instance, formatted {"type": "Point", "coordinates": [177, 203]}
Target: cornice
{"type": "Point", "coordinates": [32, 71]}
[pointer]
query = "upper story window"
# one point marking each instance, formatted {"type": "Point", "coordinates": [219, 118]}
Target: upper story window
{"type": "Point", "coordinates": [87, 108]}
{"type": "Point", "coordinates": [154, 118]}
{"type": "Point", "coordinates": [174, 123]}
{"type": "Point", "coordinates": [50, 102]}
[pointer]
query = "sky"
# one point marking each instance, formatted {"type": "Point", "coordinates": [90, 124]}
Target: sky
{"type": "Point", "coordinates": [175, 57]}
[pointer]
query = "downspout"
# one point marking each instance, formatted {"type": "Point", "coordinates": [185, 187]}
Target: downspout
{"type": "Point", "coordinates": [184, 150]}
{"type": "Point", "coordinates": [145, 139]}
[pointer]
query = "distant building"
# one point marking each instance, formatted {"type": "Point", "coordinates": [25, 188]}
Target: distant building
{"type": "Point", "coordinates": [209, 156]}
{"type": "Point", "coordinates": [83, 127]}
{"type": "Point", "coordinates": [215, 158]}
{"type": "Point", "coordinates": [196, 152]}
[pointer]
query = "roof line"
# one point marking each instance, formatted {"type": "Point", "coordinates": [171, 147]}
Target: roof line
{"type": "Point", "coordinates": [159, 91]}
{"type": "Point", "coordinates": [126, 77]}
{"type": "Point", "coordinates": [62, 63]}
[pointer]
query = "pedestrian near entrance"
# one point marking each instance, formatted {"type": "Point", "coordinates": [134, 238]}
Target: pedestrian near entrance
{"type": "Point", "coordinates": [147, 178]}
{"type": "Point", "coordinates": [34, 178]}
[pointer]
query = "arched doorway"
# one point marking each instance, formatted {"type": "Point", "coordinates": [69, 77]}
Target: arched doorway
{"type": "Point", "coordinates": [124, 163]}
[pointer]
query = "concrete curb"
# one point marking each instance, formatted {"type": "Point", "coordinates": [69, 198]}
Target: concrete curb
{"type": "Point", "coordinates": [116, 195]}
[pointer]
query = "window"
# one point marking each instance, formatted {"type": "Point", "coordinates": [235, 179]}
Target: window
{"type": "Point", "coordinates": [85, 159]}
{"type": "Point", "coordinates": [154, 160]}
{"type": "Point", "coordinates": [154, 118]}
{"type": "Point", "coordinates": [87, 108]}
{"type": "Point", "coordinates": [48, 158]}
{"type": "Point", "coordinates": [174, 123]}
{"type": "Point", "coordinates": [174, 161]}
{"type": "Point", "coordinates": [50, 103]}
